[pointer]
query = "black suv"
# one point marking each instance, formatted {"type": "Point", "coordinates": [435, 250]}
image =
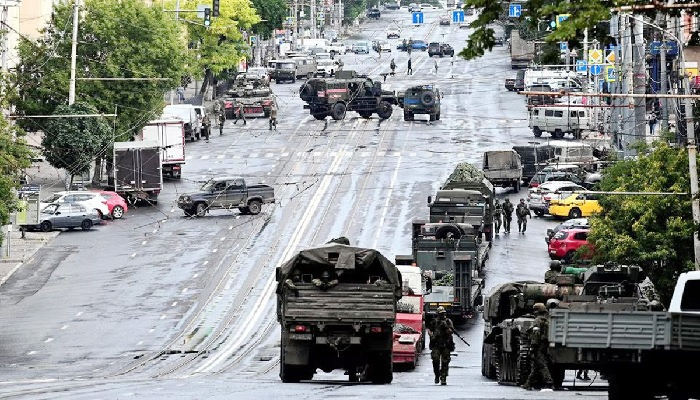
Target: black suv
{"type": "Point", "coordinates": [373, 13]}
{"type": "Point", "coordinates": [421, 99]}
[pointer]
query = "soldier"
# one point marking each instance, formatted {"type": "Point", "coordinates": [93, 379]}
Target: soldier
{"type": "Point", "coordinates": [220, 115]}
{"type": "Point", "coordinates": [522, 212]}
{"type": "Point", "coordinates": [554, 270]}
{"type": "Point", "coordinates": [497, 212]}
{"type": "Point", "coordinates": [325, 282]}
{"type": "Point", "coordinates": [273, 116]}
{"type": "Point", "coordinates": [410, 68]}
{"type": "Point", "coordinates": [540, 377]}
{"type": "Point", "coordinates": [291, 282]}
{"type": "Point", "coordinates": [239, 113]}
{"type": "Point", "coordinates": [206, 126]}
{"type": "Point", "coordinates": [436, 67]}
{"type": "Point", "coordinates": [392, 66]}
{"type": "Point", "coordinates": [441, 344]}
{"type": "Point", "coordinates": [507, 215]}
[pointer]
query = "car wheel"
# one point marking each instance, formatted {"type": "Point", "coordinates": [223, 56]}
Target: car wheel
{"type": "Point", "coordinates": [46, 226]}
{"type": "Point", "coordinates": [117, 212]}
{"type": "Point", "coordinates": [254, 207]}
{"type": "Point", "coordinates": [338, 111]}
{"type": "Point", "coordinates": [201, 209]}
{"type": "Point", "coordinates": [86, 225]}
{"type": "Point", "coordinates": [575, 213]}
{"type": "Point", "coordinates": [539, 213]}
{"type": "Point", "coordinates": [537, 131]}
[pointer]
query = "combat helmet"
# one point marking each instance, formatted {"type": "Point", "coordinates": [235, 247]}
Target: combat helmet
{"type": "Point", "coordinates": [441, 310]}
{"type": "Point", "coordinates": [539, 308]}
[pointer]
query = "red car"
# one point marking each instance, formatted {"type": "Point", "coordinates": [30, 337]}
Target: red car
{"type": "Point", "coordinates": [116, 203]}
{"type": "Point", "coordinates": [565, 243]}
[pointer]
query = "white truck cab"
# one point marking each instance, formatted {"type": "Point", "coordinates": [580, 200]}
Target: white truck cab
{"type": "Point", "coordinates": [686, 295]}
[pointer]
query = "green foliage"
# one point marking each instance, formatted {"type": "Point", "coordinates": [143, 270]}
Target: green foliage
{"type": "Point", "coordinates": [72, 143]}
{"type": "Point", "coordinates": [352, 9]}
{"type": "Point", "coordinates": [124, 39]}
{"type": "Point", "coordinates": [653, 231]}
{"type": "Point", "coordinates": [272, 14]}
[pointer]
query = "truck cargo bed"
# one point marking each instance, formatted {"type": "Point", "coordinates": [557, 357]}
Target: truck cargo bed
{"type": "Point", "coordinates": [341, 304]}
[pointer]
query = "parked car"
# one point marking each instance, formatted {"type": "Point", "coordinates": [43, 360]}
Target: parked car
{"type": "Point", "coordinates": [116, 203]}
{"type": "Point", "coordinates": [66, 216]}
{"type": "Point", "coordinates": [393, 32]}
{"type": "Point", "coordinates": [575, 206]}
{"type": "Point", "coordinates": [445, 20]}
{"type": "Point", "coordinates": [573, 223]}
{"type": "Point", "coordinates": [361, 47]}
{"type": "Point", "coordinates": [538, 198]}
{"type": "Point", "coordinates": [382, 46]}
{"type": "Point", "coordinates": [91, 200]}
{"type": "Point", "coordinates": [566, 242]}
{"type": "Point", "coordinates": [374, 13]}
{"type": "Point", "coordinates": [447, 49]}
{"type": "Point", "coordinates": [547, 176]}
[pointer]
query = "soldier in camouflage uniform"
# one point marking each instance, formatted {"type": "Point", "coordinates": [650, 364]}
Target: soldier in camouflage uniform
{"type": "Point", "coordinates": [540, 377]}
{"type": "Point", "coordinates": [554, 270]}
{"type": "Point", "coordinates": [522, 212]}
{"type": "Point", "coordinates": [497, 213]}
{"type": "Point", "coordinates": [441, 344]}
{"type": "Point", "coordinates": [507, 215]}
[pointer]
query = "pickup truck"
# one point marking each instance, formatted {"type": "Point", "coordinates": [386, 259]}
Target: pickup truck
{"type": "Point", "coordinates": [226, 193]}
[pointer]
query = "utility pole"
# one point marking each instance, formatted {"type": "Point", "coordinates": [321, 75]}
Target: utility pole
{"type": "Point", "coordinates": [74, 52]}
{"type": "Point", "coordinates": [313, 19]}
{"type": "Point", "coordinates": [4, 37]}
{"type": "Point", "coordinates": [663, 88]}
{"type": "Point", "coordinates": [628, 84]}
{"type": "Point", "coordinates": [639, 80]}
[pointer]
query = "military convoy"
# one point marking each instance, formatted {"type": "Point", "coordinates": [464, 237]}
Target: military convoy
{"type": "Point", "coordinates": [252, 93]}
{"type": "Point", "coordinates": [347, 91]}
{"type": "Point", "coordinates": [421, 99]}
{"type": "Point", "coordinates": [343, 322]}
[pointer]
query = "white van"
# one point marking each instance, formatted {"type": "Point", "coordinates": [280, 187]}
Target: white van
{"type": "Point", "coordinates": [543, 76]}
{"type": "Point", "coordinates": [188, 115]}
{"type": "Point", "coordinates": [558, 120]}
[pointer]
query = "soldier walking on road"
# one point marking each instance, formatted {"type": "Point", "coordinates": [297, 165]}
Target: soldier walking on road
{"type": "Point", "coordinates": [273, 117]}
{"type": "Point", "coordinates": [392, 66]}
{"type": "Point", "coordinates": [239, 113]}
{"type": "Point", "coordinates": [441, 344]}
{"type": "Point", "coordinates": [497, 213]}
{"type": "Point", "coordinates": [410, 68]}
{"type": "Point", "coordinates": [522, 212]}
{"type": "Point", "coordinates": [220, 115]}
{"type": "Point", "coordinates": [436, 67]}
{"type": "Point", "coordinates": [206, 126]}
{"type": "Point", "coordinates": [507, 215]}
{"type": "Point", "coordinates": [540, 377]}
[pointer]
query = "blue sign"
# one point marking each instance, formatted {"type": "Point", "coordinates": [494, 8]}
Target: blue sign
{"type": "Point", "coordinates": [671, 48]}
{"type": "Point", "coordinates": [458, 16]}
{"type": "Point", "coordinates": [596, 69]}
{"type": "Point", "coordinates": [563, 46]}
{"type": "Point", "coordinates": [417, 18]}
{"type": "Point", "coordinates": [581, 65]}
{"type": "Point", "coordinates": [514, 10]}
{"type": "Point", "coordinates": [611, 74]}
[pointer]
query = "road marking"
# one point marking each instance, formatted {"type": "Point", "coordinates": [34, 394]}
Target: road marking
{"type": "Point", "coordinates": [49, 340]}
{"type": "Point", "coordinates": [174, 304]}
{"type": "Point", "coordinates": [206, 262]}
{"type": "Point", "coordinates": [139, 343]}
{"type": "Point", "coordinates": [205, 157]}
{"type": "Point", "coordinates": [64, 327]}
{"type": "Point", "coordinates": [133, 255]}
{"type": "Point", "coordinates": [151, 330]}
{"type": "Point", "coordinates": [79, 314]}
{"type": "Point", "coordinates": [162, 316]}
{"type": "Point", "coordinates": [196, 275]}
{"type": "Point", "coordinates": [221, 156]}
{"type": "Point", "coordinates": [269, 155]}
{"type": "Point", "coordinates": [184, 290]}
{"type": "Point", "coordinates": [222, 239]}
{"type": "Point", "coordinates": [32, 352]}
{"type": "Point", "coordinates": [214, 251]}
{"type": "Point", "coordinates": [386, 203]}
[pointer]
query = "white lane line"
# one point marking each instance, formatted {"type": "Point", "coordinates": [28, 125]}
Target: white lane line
{"type": "Point", "coordinates": [222, 239]}
{"type": "Point", "coordinates": [144, 242]}
{"type": "Point", "coordinates": [214, 251]}
{"type": "Point", "coordinates": [163, 316]}
{"type": "Point", "coordinates": [64, 327]}
{"type": "Point", "coordinates": [386, 203]}
{"type": "Point", "coordinates": [133, 255]}
{"type": "Point", "coordinates": [205, 157]}
{"type": "Point", "coordinates": [174, 304]}
{"type": "Point", "coordinates": [49, 340]}
{"type": "Point", "coordinates": [221, 156]}
{"type": "Point", "coordinates": [79, 314]}
{"type": "Point", "coordinates": [151, 330]}
{"type": "Point", "coordinates": [31, 352]}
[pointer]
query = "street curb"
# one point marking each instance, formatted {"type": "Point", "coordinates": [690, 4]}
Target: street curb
{"type": "Point", "coordinates": [28, 256]}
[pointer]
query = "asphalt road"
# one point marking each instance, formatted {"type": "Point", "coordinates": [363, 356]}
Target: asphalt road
{"type": "Point", "coordinates": [159, 305]}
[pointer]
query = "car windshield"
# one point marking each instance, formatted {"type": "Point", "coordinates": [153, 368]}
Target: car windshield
{"type": "Point", "coordinates": [286, 65]}
{"type": "Point", "coordinates": [321, 56]}
{"type": "Point", "coordinates": [52, 199]}
{"type": "Point", "coordinates": [561, 235]}
{"type": "Point", "coordinates": [50, 209]}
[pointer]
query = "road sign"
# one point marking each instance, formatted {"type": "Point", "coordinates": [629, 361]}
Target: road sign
{"type": "Point", "coordinates": [595, 56]}
{"type": "Point", "coordinates": [561, 18]}
{"type": "Point", "coordinates": [610, 73]}
{"type": "Point", "coordinates": [514, 10]}
{"type": "Point", "coordinates": [320, 16]}
{"type": "Point", "coordinates": [596, 69]}
{"type": "Point", "coordinates": [610, 57]}
{"type": "Point", "coordinates": [458, 16]}
{"type": "Point", "coordinates": [581, 66]}
{"type": "Point", "coordinates": [563, 47]}
{"type": "Point", "coordinates": [417, 18]}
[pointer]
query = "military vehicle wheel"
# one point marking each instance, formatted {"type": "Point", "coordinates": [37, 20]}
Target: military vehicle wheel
{"type": "Point", "coordinates": [243, 210]}
{"type": "Point", "coordinates": [338, 111]}
{"type": "Point", "coordinates": [289, 373]}
{"type": "Point", "coordinates": [46, 226]}
{"type": "Point", "coordinates": [320, 117]}
{"type": "Point", "coordinates": [539, 213]}
{"type": "Point", "coordinates": [575, 213]}
{"type": "Point", "coordinates": [384, 110]}
{"type": "Point", "coordinates": [448, 231]}
{"type": "Point", "coordinates": [277, 81]}
{"type": "Point", "coordinates": [516, 186]}
{"type": "Point", "coordinates": [309, 75]}
{"type": "Point", "coordinates": [190, 212]}
{"type": "Point", "coordinates": [200, 209]}
{"type": "Point", "coordinates": [381, 368]}
{"type": "Point", "coordinates": [407, 116]}
{"type": "Point", "coordinates": [366, 115]}
{"type": "Point", "coordinates": [537, 131]}
{"type": "Point", "coordinates": [427, 98]}
{"type": "Point", "coordinates": [558, 133]}
{"type": "Point", "coordinates": [86, 225]}
{"type": "Point", "coordinates": [437, 116]}
{"type": "Point", "coordinates": [254, 207]}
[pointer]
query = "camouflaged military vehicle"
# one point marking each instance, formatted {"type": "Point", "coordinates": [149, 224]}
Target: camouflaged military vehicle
{"type": "Point", "coordinates": [347, 91]}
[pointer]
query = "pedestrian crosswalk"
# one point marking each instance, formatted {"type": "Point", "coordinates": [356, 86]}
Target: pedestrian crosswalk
{"type": "Point", "coordinates": [320, 154]}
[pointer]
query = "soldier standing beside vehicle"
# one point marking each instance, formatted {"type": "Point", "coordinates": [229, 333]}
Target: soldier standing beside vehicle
{"type": "Point", "coordinates": [220, 115]}
{"type": "Point", "coordinates": [239, 113]}
{"type": "Point", "coordinates": [441, 344]}
{"type": "Point", "coordinates": [497, 213]}
{"type": "Point", "coordinates": [540, 377]}
{"type": "Point", "coordinates": [522, 212]}
{"type": "Point", "coordinates": [273, 116]}
{"type": "Point", "coordinates": [206, 125]}
{"type": "Point", "coordinates": [507, 215]}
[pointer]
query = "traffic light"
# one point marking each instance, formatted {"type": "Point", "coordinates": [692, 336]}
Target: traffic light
{"type": "Point", "coordinates": [215, 8]}
{"type": "Point", "coordinates": [207, 16]}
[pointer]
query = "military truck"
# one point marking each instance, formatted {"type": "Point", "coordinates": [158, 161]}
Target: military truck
{"type": "Point", "coordinates": [464, 204]}
{"type": "Point", "coordinates": [453, 255]}
{"type": "Point", "coordinates": [533, 158]}
{"type": "Point", "coordinates": [226, 192]}
{"type": "Point", "coordinates": [503, 168]}
{"type": "Point", "coordinates": [345, 324]}
{"type": "Point", "coordinates": [618, 327]}
{"type": "Point", "coordinates": [347, 91]}
{"type": "Point", "coordinates": [421, 99]}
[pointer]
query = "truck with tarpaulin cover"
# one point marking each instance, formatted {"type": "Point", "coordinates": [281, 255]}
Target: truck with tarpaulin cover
{"type": "Point", "coordinates": [336, 305]}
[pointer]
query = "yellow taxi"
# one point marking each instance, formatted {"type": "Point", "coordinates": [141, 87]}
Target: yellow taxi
{"type": "Point", "coordinates": [575, 206]}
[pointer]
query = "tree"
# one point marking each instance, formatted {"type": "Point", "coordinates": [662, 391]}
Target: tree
{"type": "Point", "coordinates": [222, 45]}
{"type": "Point", "coordinates": [116, 39]}
{"type": "Point", "coordinates": [272, 14]}
{"type": "Point", "coordinates": [655, 232]}
{"type": "Point", "coordinates": [72, 143]}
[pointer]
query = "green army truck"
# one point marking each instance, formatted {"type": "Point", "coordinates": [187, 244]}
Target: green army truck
{"type": "Point", "coordinates": [421, 99]}
{"type": "Point", "coordinates": [344, 324]}
{"type": "Point", "coordinates": [347, 91]}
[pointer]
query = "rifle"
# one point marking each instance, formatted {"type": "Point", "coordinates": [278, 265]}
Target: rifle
{"type": "Point", "coordinates": [460, 338]}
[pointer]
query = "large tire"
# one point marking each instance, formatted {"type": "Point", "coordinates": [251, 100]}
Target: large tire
{"type": "Point", "coordinates": [575, 213]}
{"type": "Point", "coordinates": [200, 209]}
{"type": "Point", "coordinates": [338, 111]}
{"type": "Point", "coordinates": [118, 211]}
{"type": "Point", "coordinates": [384, 110]}
{"type": "Point", "coordinates": [516, 186]}
{"type": "Point", "coordinates": [254, 207]}
{"type": "Point", "coordinates": [320, 117]}
{"type": "Point", "coordinates": [432, 117]}
{"type": "Point", "coordinates": [539, 213]}
{"type": "Point", "coordinates": [537, 131]}
{"type": "Point", "coordinates": [243, 210]}
{"type": "Point", "coordinates": [427, 98]}
{"type": "Point", "coordinates": [86, 225]}
{"type": "Point", "coordinates": [366, 115]}
{"type": "Point", "coordinates": [452, 231]}
{"type": "Point", "coordinates": [558, 134]}
{"type": "Point", "coordinates": [46, 226]}
{"type": "Point", "coordinates": [437, 116]}
{"type": "Point", "coordinates": [381, 369]}
{"type": "Point", "coordinates": [488, 367]}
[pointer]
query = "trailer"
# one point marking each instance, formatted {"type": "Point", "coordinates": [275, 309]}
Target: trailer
{"type": "Point", "coordinates": [170, 136]}
{"type": "Point", "coordinates": [138, 171]}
